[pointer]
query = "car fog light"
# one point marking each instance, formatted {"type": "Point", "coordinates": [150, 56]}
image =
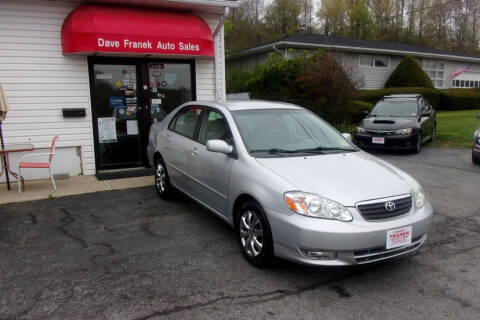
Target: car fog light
{"type": "Point", "coordinates": [320, 255]}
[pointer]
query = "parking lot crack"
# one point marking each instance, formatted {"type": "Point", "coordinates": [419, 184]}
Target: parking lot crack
{"type": "Point", "coordinates": [67, 220]}
{"type": "Point", "coordinates": [258, 298]}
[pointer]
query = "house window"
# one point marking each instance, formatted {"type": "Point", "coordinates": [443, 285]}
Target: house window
{"type": "Point", "coordinates": [374, 61]}
{"type": "Point", "coordinates": [436, 71]}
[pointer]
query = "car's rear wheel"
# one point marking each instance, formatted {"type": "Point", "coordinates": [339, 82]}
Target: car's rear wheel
{"type": "Point", "coordinates": [418, 143]}
{"type": "Point", "coordinates": [162, 181]}
{"type": "Point", "coordinates": [254, 235]}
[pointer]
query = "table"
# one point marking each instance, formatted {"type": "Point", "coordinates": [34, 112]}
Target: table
{"type": "Point", "coordinates": [5, 151]}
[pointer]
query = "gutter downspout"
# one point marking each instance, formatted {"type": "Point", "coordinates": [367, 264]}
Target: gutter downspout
{"type": "Point", "coordinates": [284, 54]}
{"type": "Point", "coordinates": [219, 91]}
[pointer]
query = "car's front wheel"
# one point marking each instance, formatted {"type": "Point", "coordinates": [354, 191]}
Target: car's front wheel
{"type": "Point", "coordinates": [475, 160]}
{"type": "Point", "coordinates": [418, 143]}
{"type": "Point", "coordinates": [162, 181]}
{"type": "Point", "coordinates": [254, 235]}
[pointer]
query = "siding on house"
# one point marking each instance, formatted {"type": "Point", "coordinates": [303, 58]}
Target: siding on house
{"type": "Point", "coordinates": [370, 77]}
{"type": "Point", "coordinates": [39, 81]}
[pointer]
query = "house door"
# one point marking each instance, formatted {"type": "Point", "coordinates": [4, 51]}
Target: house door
{"type": "Point", "coordinates": [129, 95]}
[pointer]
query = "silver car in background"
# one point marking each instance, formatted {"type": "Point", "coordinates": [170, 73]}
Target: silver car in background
{"type": "Point", "coordinates": [290, 184]}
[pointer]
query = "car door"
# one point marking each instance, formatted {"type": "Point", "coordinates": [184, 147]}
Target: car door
{"type": "Point", "coordinates": [426, 122]}
{"type": "Point", "coordinates": [180, 141]}
{"type": "Point", "coordinates": [211, 170]}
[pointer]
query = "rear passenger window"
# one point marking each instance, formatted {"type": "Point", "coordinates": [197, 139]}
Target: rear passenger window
{"type": "Point", "coordinates": [186, 121]}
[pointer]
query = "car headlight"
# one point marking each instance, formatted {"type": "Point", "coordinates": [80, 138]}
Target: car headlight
{"type": "Point", "coordinates": [315, 206]}
{"type": "Point", "coordinates": [418, 195]}
{"type": "Point", "coordinates": [404, 131]}
{"type": "Point", "coordinates": [360, 130]}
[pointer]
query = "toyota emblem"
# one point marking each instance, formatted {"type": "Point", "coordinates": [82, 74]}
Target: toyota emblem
{"type": "Point", "coordinates": [390, 206]}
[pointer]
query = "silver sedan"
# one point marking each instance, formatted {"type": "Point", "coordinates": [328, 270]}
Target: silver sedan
{"type": "Point", "coordinates": [290, 184]}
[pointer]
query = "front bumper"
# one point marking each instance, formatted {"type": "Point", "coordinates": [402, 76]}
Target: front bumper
{"type": "Point", "coordinates": [355, 242]}
{"type": "Point", "coordinates": [393, 141]}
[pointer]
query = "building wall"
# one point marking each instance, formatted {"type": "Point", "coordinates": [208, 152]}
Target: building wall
{"type": "Point", "coordinates": [39, 81]}
{"type": "Point", "coordinates": [372, 77]}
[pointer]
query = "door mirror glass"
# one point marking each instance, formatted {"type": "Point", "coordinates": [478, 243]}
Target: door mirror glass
{"type": "Point", "coordinates": [365, 112]}
{"type": "Point", "coordinates": [347, 136]}
{"type": "Point", "coordinates": [219, 146]}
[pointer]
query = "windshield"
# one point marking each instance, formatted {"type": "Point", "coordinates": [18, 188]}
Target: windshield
{"type": "Point", "coordinates": [391, 108]}
{"type": "Point", "coordinates": [287, 132]}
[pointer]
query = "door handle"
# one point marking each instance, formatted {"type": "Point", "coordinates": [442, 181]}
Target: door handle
{"type": "Point", "coordinates": [194, 151]}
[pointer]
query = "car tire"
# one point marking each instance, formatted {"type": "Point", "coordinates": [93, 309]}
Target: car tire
{"type": "Point", "coordinates": [162, 181]}
{"type": "Point", "coordinates": [475, 160]}
{"type": "Point", "coordinates": [418, 144]}
{"type": "Point", "coordinates": [254, 235]}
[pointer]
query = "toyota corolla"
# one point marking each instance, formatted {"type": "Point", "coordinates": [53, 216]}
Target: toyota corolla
{"type": "Point", "coordinates": [289, 183]}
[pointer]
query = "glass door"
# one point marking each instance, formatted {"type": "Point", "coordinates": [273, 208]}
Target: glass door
{"type": "Point", "coordinates": [167, 85]}
{"type": "Point", "coordinates": [116, 117]}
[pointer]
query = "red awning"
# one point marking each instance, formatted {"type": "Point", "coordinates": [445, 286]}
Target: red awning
{"type": "Point", "coordinates": [94, 28]}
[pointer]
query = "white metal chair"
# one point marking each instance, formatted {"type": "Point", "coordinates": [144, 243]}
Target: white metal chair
{"type": "Point", "coordinates": [38, 165]}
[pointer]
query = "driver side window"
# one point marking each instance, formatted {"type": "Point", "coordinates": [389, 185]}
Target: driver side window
{"type": "Point", "coordinates": [213, 127]}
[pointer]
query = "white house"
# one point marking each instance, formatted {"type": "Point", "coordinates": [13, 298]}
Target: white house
{"type": "Point", "coordinates": [373, 61]}
{"type": "Point", "coordinates": [99, 73]}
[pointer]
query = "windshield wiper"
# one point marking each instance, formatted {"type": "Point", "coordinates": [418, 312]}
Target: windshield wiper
{"type": "Point", "coordinates": [273, 151]}
{"type": "Point", "coordinates": [321, 149]}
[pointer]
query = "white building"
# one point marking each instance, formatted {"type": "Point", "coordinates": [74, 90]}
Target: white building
{"type": "Point", "coordinates": [116, 63]}
{"type": "Point", "coordinates": [373, 61]}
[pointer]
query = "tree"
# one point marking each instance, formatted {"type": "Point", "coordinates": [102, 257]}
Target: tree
{"type": "Point", "coordinates": [332, 15]}
{"type": "Point", "coordinates": [282, 17]}
{"type": "Point", "coordinates": [360, 21]}
{"type": "Point", "coordinates": [409, 74]}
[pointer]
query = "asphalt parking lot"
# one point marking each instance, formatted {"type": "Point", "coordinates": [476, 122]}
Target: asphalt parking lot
{"type": "Point", "coordinates": [129, 255]}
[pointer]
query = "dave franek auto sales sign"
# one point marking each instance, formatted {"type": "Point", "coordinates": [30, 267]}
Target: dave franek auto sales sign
{"type": "Point", "coordinates": [170, 47]}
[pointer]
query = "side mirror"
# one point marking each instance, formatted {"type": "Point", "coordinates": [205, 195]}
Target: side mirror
{"type": "Point", "coordinates": [219, 146]}
{"type": "Point", "coordinates": [478, 116]}
{"type": "Point", "coordinates": [426, 114]}
{"type": "Point", "coordinates": [347, 136]}
{"type": "Point", "coordinates": [365, 113]}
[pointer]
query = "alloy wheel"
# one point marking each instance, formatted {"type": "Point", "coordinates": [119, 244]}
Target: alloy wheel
{"type": "Point", "coordinates": [251, 233]}
{"type": "Point", "coordinates": [160, 178]}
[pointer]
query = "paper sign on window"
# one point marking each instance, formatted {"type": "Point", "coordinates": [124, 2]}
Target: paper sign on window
{"type": "Point", "coordinates": [132, 127]}
{"type": "Point", "coordinates": [107, 132]}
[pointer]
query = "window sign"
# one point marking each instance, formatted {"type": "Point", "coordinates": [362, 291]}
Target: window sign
{"type": "Point", "coordinates": [115, 102]}
{"type": "Point", "coordinates": [132, 127]}
{"type": "Point", "coordinates": [107, 132]}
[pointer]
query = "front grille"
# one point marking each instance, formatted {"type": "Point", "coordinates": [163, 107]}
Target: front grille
{"type": "Point", "coordinates": [380, 132]}
{"type": "Point", "coordinates": [381, 253]}
{"type": "Point", "coordinates": [378, 210]}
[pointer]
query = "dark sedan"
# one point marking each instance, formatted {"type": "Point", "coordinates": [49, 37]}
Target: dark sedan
{"type": "Point", "coordinates": [398, 122]}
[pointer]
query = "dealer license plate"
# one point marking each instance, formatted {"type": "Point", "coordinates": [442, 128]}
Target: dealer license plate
{"type": "Point", "coordinates": [378, 140]}
{"type": "Point", "coordinates": [399, 237]}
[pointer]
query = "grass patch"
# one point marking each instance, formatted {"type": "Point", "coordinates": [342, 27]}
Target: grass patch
{"type": "Point", "coordinates": [455, 128]}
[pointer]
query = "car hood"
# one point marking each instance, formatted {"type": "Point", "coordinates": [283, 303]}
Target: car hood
{"type": "Point", "coordinates": [346, 178]}
{"type": "Point", "coordinates": [388, 123]}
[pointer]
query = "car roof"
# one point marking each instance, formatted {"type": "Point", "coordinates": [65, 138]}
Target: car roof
{"type": "Point", "coordinates": [258, 104]}
{"type": "Point", "coordinates": [237, 105]}
{"type": "Point", "coordinates": [403, 96]}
